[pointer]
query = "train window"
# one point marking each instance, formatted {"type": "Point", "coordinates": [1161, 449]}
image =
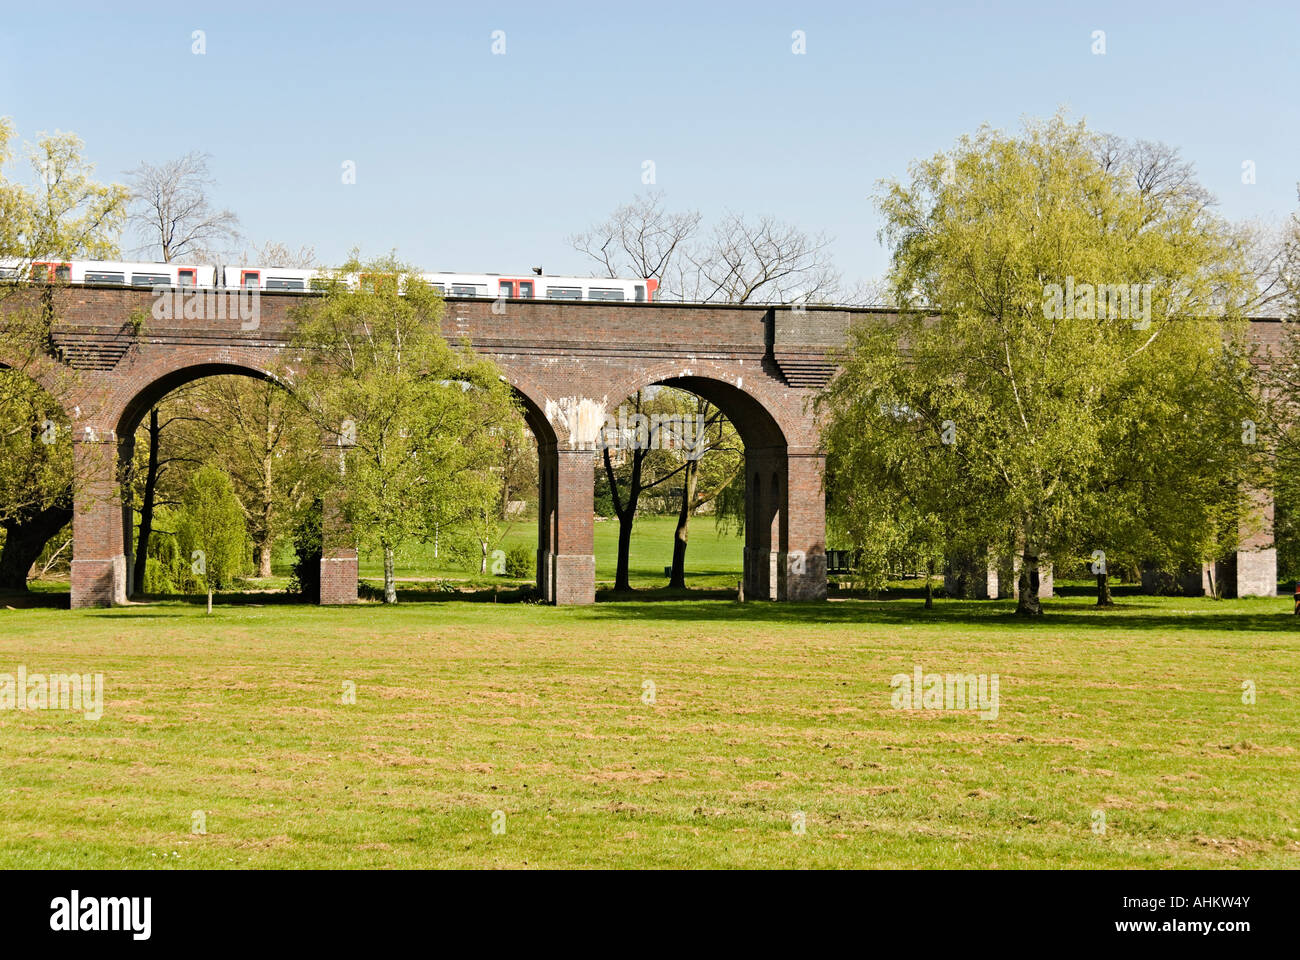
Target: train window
{"type": "Point", "coordinates": [150, 280]}
{"type": "Point", "coordinates": [284, 283]}
{"type": "Point", "coordinates": [468, 290]}
{"type": "Point", "coordinates": [505, 288]}
{"type": "Point", "coordinates": [640, 291]}
{"type": "Point", "coordinates": [605, 293]}
{"type": "Point", "coordinates": [46, 272]}
{"type": "Point", "coordinates": [250, 278]}
{"type": "Point", "coordinates": [525, 288]}
{"type": "Point", "coordinates": [9, 273]}
{"type": "Point", "coordinates": [105, 277]}
{"type": "Point", "coordinates": [564, 293]}
{"type": "Point", "coordinates": [187, 277]}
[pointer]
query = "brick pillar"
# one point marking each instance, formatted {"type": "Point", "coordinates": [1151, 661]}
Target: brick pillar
{"type": "Point", "coordinates": [338, 561]}
{"type": "Point", "coordinates": [574, 568]}
{"type": "Point", "coordinates": [1252, 570]}
{"type": "Point", "coordinates": [547, 466]}
{"type": "Point", "coordinates": [1046, 581]}
{"type": "Point", "coordinates": [972, 576]}
{"type": "Point", "coordinates": [804, 539]}
{"type": "Point", "coordinates": [98, 554]}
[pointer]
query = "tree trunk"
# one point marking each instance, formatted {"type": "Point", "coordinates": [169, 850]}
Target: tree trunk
{"type": "Point", "coordinates": [147, 504]}
{"type": "Point", "coordinates": [929, 585]}
{"type": "Point", "coordinates": [482, 563]}
{"type": "Point", "coordinates": [263, 553]}
{"type": "Point", "coordinates": [390, 582]}
{"type": "Point", "coordinates": [621, 579]}
{"type": "Point", "coordinates": [690, 481]}
{"type": "Point", "coordinates": [209, 600]}
{"type": "Point", "coordinates": [25, 538]}
{"type": "Point", "coordinates": [626, 514]}
{"type": "Point", "coordinates": [1029, 605]}
{"type": "Point", "coordinates": [1103, 591]}
{"type": "Point", "coordinates": [264, 546]}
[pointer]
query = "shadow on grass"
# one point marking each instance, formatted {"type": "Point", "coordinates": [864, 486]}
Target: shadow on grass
{"type": "Point", "coordinates": [21, 600]}
{"type": "Point", "coordinates": [1133, 614]}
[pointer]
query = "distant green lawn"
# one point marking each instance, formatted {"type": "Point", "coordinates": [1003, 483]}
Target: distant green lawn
{"type": "Point", "coordinates": [761, 713]}
{"type": "Point", "coordinates": [712, 560]}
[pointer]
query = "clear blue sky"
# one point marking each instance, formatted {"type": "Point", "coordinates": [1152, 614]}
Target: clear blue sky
{"type": "Point", "coordinates": [470, 161]}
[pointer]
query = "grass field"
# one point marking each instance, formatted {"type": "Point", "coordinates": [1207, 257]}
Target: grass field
{"type": "Point", "coordinates": [762, 712]}
{"type": "Point", "coordinates": [712, 560]}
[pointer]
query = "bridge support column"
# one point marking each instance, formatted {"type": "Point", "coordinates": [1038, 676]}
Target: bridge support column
{"type": "Point", "coordinates": [338, 559]}
{"type": "Point", "coordinates": [98, 545]}
{"type": "Point", "coordinates": [803, 541]}
{"type": "Point", "coordinates": [1252, 570]}
{"type": "Point", "coordinates": [573, 566]}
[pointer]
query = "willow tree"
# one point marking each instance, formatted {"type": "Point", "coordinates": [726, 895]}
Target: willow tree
{"type": "Point", "coordinates": [415, 422]}
{"type": "Point", "coordinates": [1050, 275]}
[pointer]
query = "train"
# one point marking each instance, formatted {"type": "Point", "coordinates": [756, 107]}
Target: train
{"type": "Point", "coordinates": [221, 277]}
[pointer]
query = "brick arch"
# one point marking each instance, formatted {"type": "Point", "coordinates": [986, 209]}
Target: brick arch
{"type": "Point", "coordinates": [148, 381]}
{"type": "Point", "coordinates": [784, 553]}
{"type": "Point", "coordinates": [746, 394]}
{"type": "Point", "coordinates": [533, 401]}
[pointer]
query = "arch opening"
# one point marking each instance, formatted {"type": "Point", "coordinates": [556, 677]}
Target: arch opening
{"type": "Point", "coordinates": [741, 490]}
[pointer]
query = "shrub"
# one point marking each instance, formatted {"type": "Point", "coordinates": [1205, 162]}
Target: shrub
{"type": "Point", "coordinates": [519, 562]}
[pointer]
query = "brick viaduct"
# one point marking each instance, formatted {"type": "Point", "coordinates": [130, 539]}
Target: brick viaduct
{"type": "Point", "coordinates": [568, 361]}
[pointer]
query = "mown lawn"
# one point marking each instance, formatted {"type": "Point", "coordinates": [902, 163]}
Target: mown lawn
{"type": "Point", "coordinates": [713, 560]}
{"type": "Point", "coordinates": [761, 712]}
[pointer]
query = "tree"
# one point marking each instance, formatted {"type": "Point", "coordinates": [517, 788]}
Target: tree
{"type": "Point", "coordinates": [172, 214]}
{"type": "Point", "coordinates": [638, 444]}
{"type": "Point", "coordinates": [640, 239]}
{"type": "Point", "coordinates": [257, 434]}
{"type": "Point", "coordinates": [899, 490]}
{"type": "Point", "coordinates": [211, 531]}
{"type": "Point", "coordinates": [712, 457]}
{"type": "Point", "coordinates": [412, 417]}
{"type": "Point", "coordinates": [763, 260]}
{"type": "Point", "coordinates": [156, 449]}
{"type": "Point", "coordinates": [1051, 276]}
{"type": "Point", "coordinates": [67, 214]}
{"type": "Point", "coordinates": [273, 254]}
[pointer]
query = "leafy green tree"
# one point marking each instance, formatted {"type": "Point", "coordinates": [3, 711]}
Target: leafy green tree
{"type": "Point", "coordinates": [898, 481]}
{"type": "Point", "coordinates": [412, 418]}
{"type": "Point", "coordinates": [211, 529]}
{"type": "Point", "coordinates": [65, 214]}
{"type": "Point", "coordinates": [257, 434]}
{"type": "Point", "coordinates": [1049, 277]}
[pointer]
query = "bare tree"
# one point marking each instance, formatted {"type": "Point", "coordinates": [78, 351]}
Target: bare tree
{"type": "Point", "coordinates": [640, 238]}
{"type": "Point", "coordinates": [273, 254]}
{"type": "Point", "coordinates": [1158, 170]}
{"type": "Point", "coordinates": [758, 261]}
{"type": "Point", "coordinates": [172, 215]}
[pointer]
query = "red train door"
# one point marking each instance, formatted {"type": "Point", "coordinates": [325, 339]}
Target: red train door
{"type": "Point", "coordinates": [511, 289]}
